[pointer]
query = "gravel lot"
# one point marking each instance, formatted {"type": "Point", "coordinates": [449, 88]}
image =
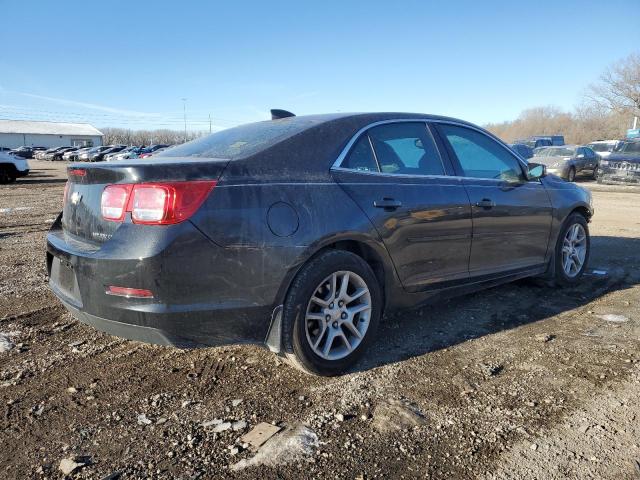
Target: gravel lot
{"type": "Point", "coordinates": [520, 381]}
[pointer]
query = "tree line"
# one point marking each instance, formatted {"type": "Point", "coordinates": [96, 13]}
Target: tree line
{"type": "Point", "coordinates": [606, 112]}
{"type": "Point", "coordinates": [123, 136]}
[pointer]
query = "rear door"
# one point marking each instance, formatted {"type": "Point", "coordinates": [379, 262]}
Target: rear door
{"type": "Point", "coordinates": [511, 216]}
{"type": "Point", "coordinates": [395, 173]}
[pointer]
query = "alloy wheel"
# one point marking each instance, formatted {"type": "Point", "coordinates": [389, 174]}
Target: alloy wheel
{"type": "Point", "coordinates": [574, 250]}
{"type": "Point", "coordinates": [338, 315]}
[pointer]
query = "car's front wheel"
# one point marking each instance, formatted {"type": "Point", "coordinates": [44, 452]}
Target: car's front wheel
{"type": "Point", "coordinates": [572, 250]}
{"type": "Point", "coordinates": [331, 313]}
{"type": "Point", "coordinates": [571, 176]}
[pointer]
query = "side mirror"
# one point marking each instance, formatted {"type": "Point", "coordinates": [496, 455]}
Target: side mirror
{"type": "Point", "coordinates": [536, 171]}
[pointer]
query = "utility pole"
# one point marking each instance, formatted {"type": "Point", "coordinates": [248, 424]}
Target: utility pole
{"type": "Point", "coordinates": [184, 111]}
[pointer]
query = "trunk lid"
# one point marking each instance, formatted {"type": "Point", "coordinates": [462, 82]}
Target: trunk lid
{"type": "Point", "coordinates": [81, 214]}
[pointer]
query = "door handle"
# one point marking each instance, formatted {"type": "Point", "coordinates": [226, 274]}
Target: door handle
{"type": "Point", "coordinates": [387, 203]}
{"type": "Point", "coordinates": [486, 203]}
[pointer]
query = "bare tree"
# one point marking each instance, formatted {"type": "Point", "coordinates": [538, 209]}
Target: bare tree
{"type": "Point", "coordinates": [122, 136]}
{"type": "Point", "coordinates": [585, 124]}
{"type": "Point", "coordinates": [619, 87]}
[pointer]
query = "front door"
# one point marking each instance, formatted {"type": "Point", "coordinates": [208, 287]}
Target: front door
{"type": "Point", "coordinates": [394, 172]}
{"type": "Point", "coordinates": [511, 216]}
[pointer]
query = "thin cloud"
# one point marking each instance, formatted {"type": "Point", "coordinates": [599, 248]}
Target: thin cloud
{"type": "Point", "coordinates": [90, 106]}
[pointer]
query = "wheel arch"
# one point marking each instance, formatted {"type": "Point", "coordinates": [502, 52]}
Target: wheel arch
{"type": "Point", "coordinates": [371, 251]}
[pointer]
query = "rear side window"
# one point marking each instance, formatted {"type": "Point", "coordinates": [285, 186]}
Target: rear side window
{"type": "Point", "coordinates": [361, 157]}
{"type": "Point", "coordinates": [406, 148]}
{"type": "Point", "coordinates": [480, 156]}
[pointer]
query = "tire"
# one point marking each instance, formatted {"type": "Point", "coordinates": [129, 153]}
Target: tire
{"type": "Point", "coordinates": [7, 174]}
{"type": "Point", "coordinates": [571, 176]}
{"type": "Point", "coordinates": [561, 275]}
{"type": "Point", "coordinates": [300, 332]}
{"type": "Point", "coordinates": [596, 172]}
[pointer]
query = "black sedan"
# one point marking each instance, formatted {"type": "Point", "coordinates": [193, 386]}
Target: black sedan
{"type": "Point", "coordinates": [622, 165]}
{"type": "Point", "coordinates": [299, 232]}
{"type": "Point", "coordinates": [98, 156]}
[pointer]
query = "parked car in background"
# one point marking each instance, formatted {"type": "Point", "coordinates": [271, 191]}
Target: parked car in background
{"type": "Point", "coordinates": [26, 152]}
{"type": "Point", "coordinates": [623, 165]}
{"type": "Point", "coordinates": [301, 232]}
{"type": "Point", "coordinates": [604, 148]}
{"type": "Point", "coordinates": [556, 140]}
{"type": "Point", "coordinates": [569, 160]}
{"type": "Point", "coordinates": [538, 151]}
{"type": "Point", "coordinates": [523, 150]}
{"type": "Point", "coordinates": [12, 167]}
{"type": "Point", "coordinates": [534, 143]}
{"type": "Point", "coordinates": [150, 150]}
{"type": "Point", "coordinates": [50, 154]}
{"type": "Point", "coordinates": [99, 155]}
{"type": "Point", "coordinates": [129, 152]}
{"type": "Point", "coordinates": [72, 155]}
{"type": "Point", "coordinates": [84, 156]}
{"type": "Point", "coordinates": [57, 156]}
{"type": "Point", "coordinates": [42, 154]}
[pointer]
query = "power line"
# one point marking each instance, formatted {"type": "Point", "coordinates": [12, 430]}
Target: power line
{"type": "Point", "coordinates": [10, 112]}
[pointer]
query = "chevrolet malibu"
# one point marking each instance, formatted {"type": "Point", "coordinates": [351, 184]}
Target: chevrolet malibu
{"type": "Point", "coordinates": [298, 233]}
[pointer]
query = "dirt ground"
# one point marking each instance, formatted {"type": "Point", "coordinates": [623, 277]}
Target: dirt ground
{"type": "Point", "coordinates": [517, 382]}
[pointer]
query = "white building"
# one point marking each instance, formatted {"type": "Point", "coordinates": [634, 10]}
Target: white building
{"type": "Point", "coordinates": [16, 133]}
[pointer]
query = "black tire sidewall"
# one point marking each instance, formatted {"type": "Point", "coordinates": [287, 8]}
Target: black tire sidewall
{"type": "Point", "coordinates": [562, 277]}
{"type": "Point", "coordinates": [298, 298]}
{"type": "Point", "coordinates": [571, 176]}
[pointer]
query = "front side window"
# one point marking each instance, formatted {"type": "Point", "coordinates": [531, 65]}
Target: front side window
{"type": "Point", "coordinates": [480, 156]}
{"type": "Point", "coordinates": [406, 148]}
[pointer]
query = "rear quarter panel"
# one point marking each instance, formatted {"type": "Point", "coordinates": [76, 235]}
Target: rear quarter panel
{"type": "Point", "coordinates": [272, 229]}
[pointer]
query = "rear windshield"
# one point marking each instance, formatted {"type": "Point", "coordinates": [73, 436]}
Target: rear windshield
{"type": "Point", "coordinates": [242, 141]}
{"type": "Point", "coordinates": [557, 152]}
{"type": "Point", "coordinates": [602, 147]}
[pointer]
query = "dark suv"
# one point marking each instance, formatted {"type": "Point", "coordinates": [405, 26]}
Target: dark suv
{"type": "Point", "coordinates": [299, 233]}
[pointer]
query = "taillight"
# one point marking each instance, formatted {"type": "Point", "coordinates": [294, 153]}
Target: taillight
{"type": "Point", "coordinates": [155, 203]}
{"type": "Point", "coordinates": [129, 292]}
{"type": "Point", "coordinates": [114, 202]}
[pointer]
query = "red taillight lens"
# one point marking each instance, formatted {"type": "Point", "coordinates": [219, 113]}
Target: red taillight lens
{"type": "Point", "coordinates": [129, 292]}
{"type": "Point", "coordinates": [150, 203]}
{"type": "Point", "coordinates": [114, 202]}
{"type": "Point", "coordinates": [155, 203]}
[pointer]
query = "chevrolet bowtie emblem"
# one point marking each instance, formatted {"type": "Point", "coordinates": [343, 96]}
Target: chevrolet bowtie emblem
{"type": "Point", "coordinates": [76, 197]}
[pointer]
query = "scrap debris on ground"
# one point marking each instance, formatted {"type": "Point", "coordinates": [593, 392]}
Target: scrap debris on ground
{"type": "Point", "coordinates": [520, 381]}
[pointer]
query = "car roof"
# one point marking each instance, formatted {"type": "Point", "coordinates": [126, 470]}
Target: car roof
{"type": "Point", "coordinates": [308, 154]}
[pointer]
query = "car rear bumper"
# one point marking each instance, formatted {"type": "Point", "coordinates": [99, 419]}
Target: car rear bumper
{"type": "Point", "coordinates": [22, 173]}
{"type": "Point", "coordinates": [194, 303]}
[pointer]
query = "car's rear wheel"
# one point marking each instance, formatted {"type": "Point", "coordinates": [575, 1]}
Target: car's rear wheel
{"type": "Point", "coordinates": [331, 313]}
{"type": "Point", "coordinates": [7, 174]}
{"type": "Point", "coordinates": [571, 176]}
{"type": "Point", "coordinates": [572, 250]}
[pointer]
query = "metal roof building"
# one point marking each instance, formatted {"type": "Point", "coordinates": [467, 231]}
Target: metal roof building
{"type": "Point", "coordinates": [16, 133]}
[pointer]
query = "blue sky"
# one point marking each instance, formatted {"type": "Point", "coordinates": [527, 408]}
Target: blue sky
{"type": "Point", "coordinates": [126, 63]}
